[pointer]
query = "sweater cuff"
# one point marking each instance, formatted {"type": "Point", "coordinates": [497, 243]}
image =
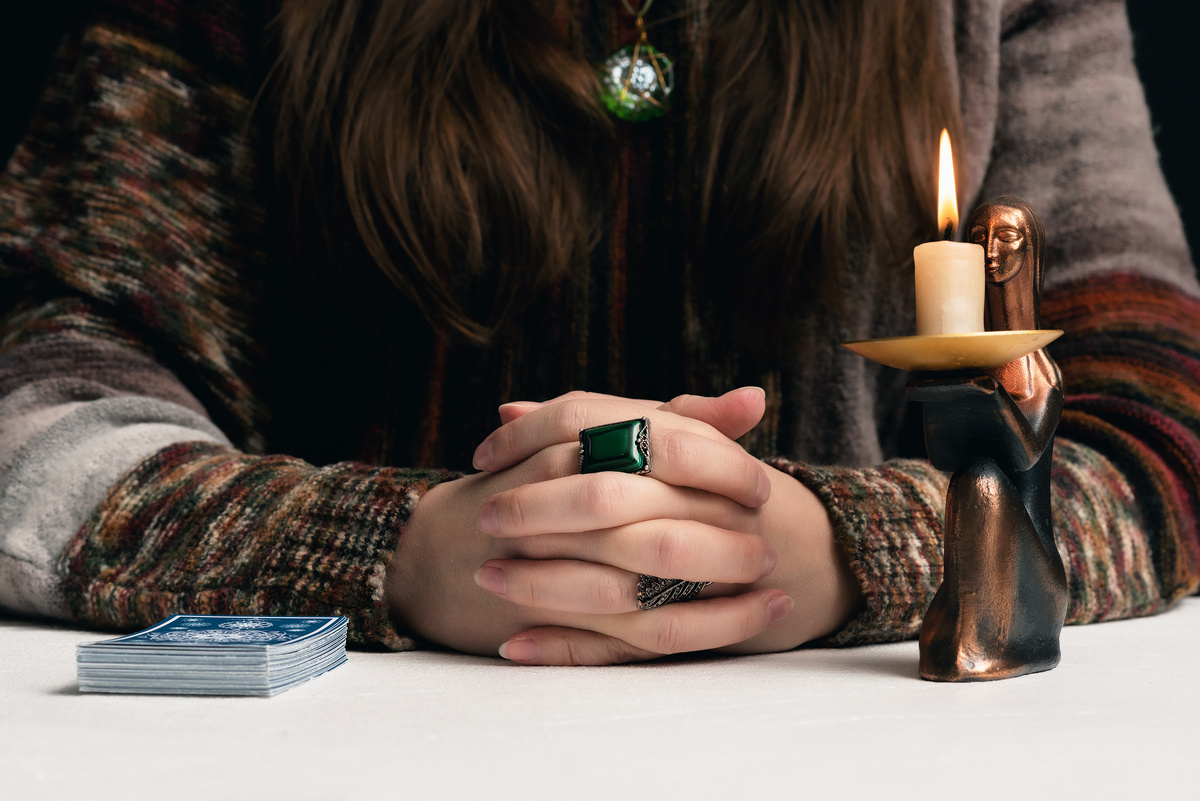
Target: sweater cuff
{"type": "Point", "coordinates": [887, 521]}
{"type": "Point", "coordinates": [199, 528]}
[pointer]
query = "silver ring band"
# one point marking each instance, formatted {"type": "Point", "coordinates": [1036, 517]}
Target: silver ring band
{"type": "Point", "coordinates": [654, 592]}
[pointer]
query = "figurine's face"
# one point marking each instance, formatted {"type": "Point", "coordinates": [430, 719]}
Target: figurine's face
{"type": "Point", "coordinates": [1005, 241]}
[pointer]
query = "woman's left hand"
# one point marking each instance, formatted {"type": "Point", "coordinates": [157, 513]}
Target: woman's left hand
{"type": "Point", "coordinates": [675, 533]}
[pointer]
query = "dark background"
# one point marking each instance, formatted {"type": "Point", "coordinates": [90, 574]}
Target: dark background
{"type": "Point", "coordinates": [1165, 38]}
{"type": "Point", "coordinates": [1167, 51]}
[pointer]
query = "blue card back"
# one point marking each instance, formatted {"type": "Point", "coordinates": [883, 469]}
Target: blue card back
{"type": "Point", "coordinates": [184, 630]}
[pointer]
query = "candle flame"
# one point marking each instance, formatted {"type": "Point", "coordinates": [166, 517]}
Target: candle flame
{"type": "Point", "coordinates": [947, 196]}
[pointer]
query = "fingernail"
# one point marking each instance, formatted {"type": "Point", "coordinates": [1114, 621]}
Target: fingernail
{"type": "Point", "coordinates": [491, 578]}
{"type": "Point", "coordinates": [489, 520]}
{"type": "Point", "coordinates": [764, 489]}
{"type": "Point", "coordinates": [522, 404]}
{"type": "Point", "coordinates": [768, 563]}
{"type": "Point", "coordinates": [515, 410]}
{"type": "Point", "coordinates": [778, 607]}
{"type": "Point", "coordinates": [760, 391]}
{"type": "Point", "coordinates": [483, 458]}
{"type": "Point", "coordinates": [521, 650]}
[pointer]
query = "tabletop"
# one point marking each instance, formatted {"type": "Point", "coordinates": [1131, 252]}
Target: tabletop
{"type": "Point", "coordinates": [1116, 719]}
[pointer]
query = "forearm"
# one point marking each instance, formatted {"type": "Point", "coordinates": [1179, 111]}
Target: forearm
{"type": "Point", "coordinates": [1131, 368]}
{"type": "Point", "coordinates": [200, 528]}
{"type": "Point", "coordinates": [120, 502]}
{"type": "Point", "coordinates": [887, 522]}
{"type": "Point", "coordinates": [76, 413]}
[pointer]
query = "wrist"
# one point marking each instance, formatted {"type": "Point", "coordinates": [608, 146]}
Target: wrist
{"type": "Point", "coordinates": [403, 580]}
{"type": "Point", "coordinates": [811, 568]}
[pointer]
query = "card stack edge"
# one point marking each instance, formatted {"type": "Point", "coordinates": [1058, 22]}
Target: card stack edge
{"type": "Point", "coordinates": [153, 669]}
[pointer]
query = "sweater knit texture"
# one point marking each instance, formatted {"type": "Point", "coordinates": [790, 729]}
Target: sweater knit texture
{"type": "Point", "coordinates": [152, 366]}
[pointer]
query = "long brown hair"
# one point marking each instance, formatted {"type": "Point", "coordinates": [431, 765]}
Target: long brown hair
{"type": "Point", "coordinates": [463, 144]}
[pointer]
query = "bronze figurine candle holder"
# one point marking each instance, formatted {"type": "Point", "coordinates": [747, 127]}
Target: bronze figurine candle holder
{"type": "Point", "coordinates": [991, 403]}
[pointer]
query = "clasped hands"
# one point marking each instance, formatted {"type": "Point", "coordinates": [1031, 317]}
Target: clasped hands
{"type": "Point", "coordinates": [533, 559]}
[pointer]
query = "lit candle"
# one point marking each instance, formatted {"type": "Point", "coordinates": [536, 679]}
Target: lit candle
{"type": "Point", "coordinates": [949, 275]}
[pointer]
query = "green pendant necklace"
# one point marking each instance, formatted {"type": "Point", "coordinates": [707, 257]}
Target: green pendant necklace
{"type": "Point", "coordinates": [636, 81]}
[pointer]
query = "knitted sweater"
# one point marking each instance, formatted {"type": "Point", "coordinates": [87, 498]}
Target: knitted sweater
{"type": "Point", "coordinates": [149, 361]}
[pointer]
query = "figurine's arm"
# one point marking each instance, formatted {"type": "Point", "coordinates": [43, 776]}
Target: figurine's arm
{"type": "Point", "coordinates": [967, 416]}
{"type": "Point", "coordinates": [1033, 386]}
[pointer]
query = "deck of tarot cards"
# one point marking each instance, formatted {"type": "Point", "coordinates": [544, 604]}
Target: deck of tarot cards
{"type": "Point", "coordinates": [214, 655]}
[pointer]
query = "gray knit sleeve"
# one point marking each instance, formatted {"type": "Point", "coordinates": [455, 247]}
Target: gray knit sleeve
{"type": "Point", "coordinates": [75, 415]}
{"type": "Point", "coordinates": [1073, 139]}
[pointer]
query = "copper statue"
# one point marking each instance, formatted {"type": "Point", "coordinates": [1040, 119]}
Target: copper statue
{"type": "Point", "coordinates": [1003, 599]}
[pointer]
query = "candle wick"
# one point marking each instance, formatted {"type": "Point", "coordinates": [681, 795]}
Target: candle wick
{"type": "Point", "coordinates": [948, 232]}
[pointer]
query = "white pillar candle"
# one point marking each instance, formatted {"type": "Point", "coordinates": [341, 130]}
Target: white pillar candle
{"type": "Point", "coordinates": [950, 284]}
{"type": "Point", "coordinates": [949, 275]}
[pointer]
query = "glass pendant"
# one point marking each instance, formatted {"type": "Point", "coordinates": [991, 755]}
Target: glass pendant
{"type": "Point", "coordinates": [636, 81]}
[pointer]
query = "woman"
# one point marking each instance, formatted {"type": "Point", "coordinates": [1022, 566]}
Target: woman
{"type": "Point", "coordinates": [458, 224]}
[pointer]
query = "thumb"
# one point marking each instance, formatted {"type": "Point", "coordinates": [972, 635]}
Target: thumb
{"type": "Point", "coordinates": [733, 414]}
{"type": "Point", "coordinates": [552, 645]}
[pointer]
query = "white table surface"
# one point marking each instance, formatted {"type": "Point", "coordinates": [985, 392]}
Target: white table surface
{"type": "Point", "coordinates": [1117, 719]}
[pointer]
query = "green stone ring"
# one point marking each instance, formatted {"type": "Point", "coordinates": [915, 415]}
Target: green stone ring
{"type": "Point", "coordinates": [617, 447]}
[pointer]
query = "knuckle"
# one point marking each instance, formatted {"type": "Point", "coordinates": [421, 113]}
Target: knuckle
{"type": "Point", "coordinates": [751, 621]}
{"type": "Point", "coordinates": [504, 439]}
{"type": "Point", "coordinates": [671, 637]}
{"type": "Point", "coordinates": [525, 589]}
{"type": "Point", "coordinates": [610, 593]}
{"type": "Point", "coordinates": [676, 404]}
{"type": "Point", "coordinates": [680, 452]}
{"type": "Point", "coordinates": [604, 495]}
{"type": "Point", "coordinates": [571, 655]}
{"type": "Point", "coordinates": [570, 416]}
{"type": "Point", "coordinates": [530, 591]}
{"type": "Point", "coordinates": [750, 471]}
{"type": "Point", "coordinates": [513, 506]}
{"type": "Point", "coordinates": [751, 551]}
{"type": "Point", "coordinates": [672, 552]}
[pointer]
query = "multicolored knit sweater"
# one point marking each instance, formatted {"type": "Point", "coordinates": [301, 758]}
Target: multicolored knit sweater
{"type": "Point", "coordinates": [148, 364]}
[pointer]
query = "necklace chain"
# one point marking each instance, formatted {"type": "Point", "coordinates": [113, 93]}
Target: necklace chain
{"type": "Point", "coordinates": [645, 9]}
